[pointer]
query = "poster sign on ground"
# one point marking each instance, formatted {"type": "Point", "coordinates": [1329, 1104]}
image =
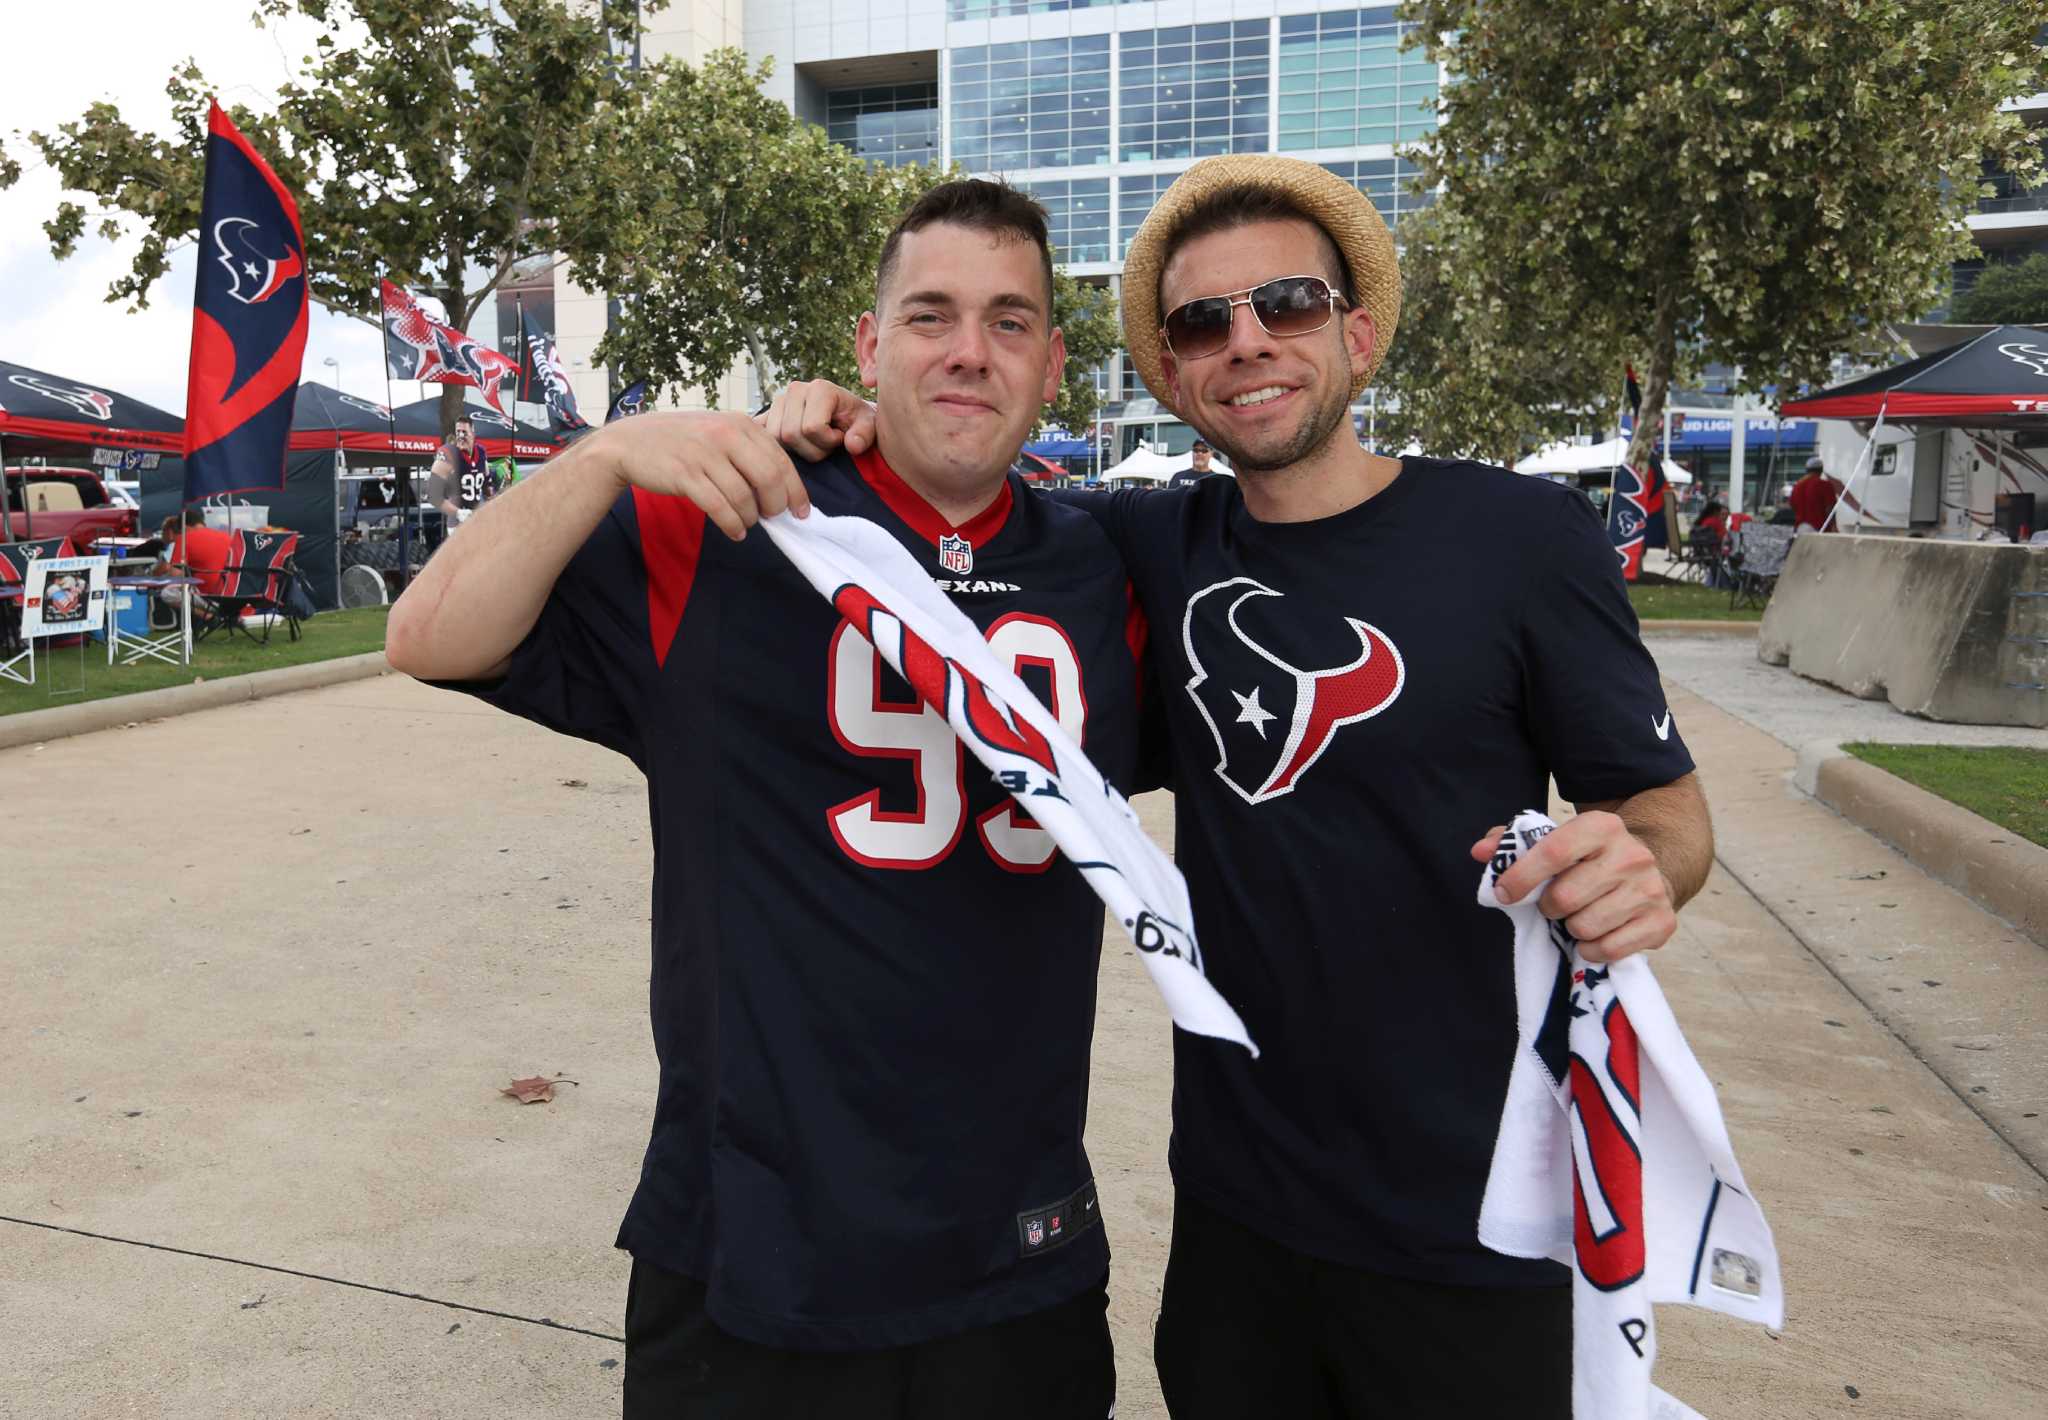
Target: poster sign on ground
{"type": "Point", "coordinates": [64, 596]}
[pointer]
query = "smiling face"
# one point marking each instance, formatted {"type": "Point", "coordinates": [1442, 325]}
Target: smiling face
{"type": "Point", "coordinates": [1268, 402]}
{"type": "Point", "coordinates": [962, 356]}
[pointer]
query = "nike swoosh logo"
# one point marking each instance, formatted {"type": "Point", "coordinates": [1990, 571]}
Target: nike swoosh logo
{"type": "Point", "coordinates": [1662, 727]}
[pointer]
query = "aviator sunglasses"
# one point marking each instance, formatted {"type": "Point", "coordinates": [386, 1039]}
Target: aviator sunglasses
{"type": "Point", "coordinates": [1285, 306]}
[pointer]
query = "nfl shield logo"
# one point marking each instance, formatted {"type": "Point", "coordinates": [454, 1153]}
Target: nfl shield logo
{"type": "Point", "coordinates": [1034, 1232]}
{"type": "Point", "coordinates": [956, 554]}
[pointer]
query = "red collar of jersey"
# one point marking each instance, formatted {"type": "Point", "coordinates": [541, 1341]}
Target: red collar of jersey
{"type": "Point", "coordinates": [925, 520]}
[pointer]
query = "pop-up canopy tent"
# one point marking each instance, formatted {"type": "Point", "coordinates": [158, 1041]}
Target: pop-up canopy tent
{"type": "Point", "coordinates": [1589, 458]}
{"type": "Point", "coordinates": [333, 432]}
{"type": "Point", "coordinates": [60, 416]}
{"type": "Point", "coordinates": [501, 435]}
{"type": "Point", "coordinates": [52, 417]}
{"type": "Point", "coordinates": [1996, 379]}
{"type": "Point", "coordinates": [1149, 467]}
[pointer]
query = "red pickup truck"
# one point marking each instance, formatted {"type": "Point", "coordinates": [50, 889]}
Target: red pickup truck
{"type": "Point", "coordinates": [62, 502]}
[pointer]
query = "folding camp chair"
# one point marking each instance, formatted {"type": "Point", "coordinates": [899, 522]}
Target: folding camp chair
{"type": "Point", "coordinates": [1701, 558]}
{"type": "Point", "coordinates": [15, 560]}
{"type": "Point", "coordinates": [1755, 562]}
{"type": "Point", "coordinates": [253, 580]}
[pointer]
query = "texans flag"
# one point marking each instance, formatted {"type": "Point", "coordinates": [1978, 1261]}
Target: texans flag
{"type": "Point", "coordinates": [248, 321]}
{"type": "Point", "coordinates": [418, 347]}
{"type": "Point", "coordinates": [1635, 516]}
{"type": "Point", "coordinates": [632, 400]}
{"type": "Point", "coordinates": [541, 371]}
{"type": "Point", "coordinates": [885, 596]}
{"type": "Point", "coordinates": [1613, 1158]}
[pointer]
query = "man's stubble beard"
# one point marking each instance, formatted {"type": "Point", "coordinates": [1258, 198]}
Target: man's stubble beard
{"type": "Point", "coordinates": [1309, 435]}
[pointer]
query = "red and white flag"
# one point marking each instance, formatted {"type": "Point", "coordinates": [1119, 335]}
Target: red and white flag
{"type": "Point", "coordinates": [418, 347]}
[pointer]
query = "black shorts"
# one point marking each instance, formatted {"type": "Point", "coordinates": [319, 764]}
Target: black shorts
{"type": "Point", "coordinates": [1250, 1328]}
{"type": "Point", "coordinates": [1054, 1364]}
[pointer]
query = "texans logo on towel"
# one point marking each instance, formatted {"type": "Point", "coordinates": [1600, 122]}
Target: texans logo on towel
{"type": "Point", "coordinates": [90, 403]}
{"type": "Point", "coordinates": [248, 322]}
{"type": "Point", "coordinates": [1275, 682]}
{"type": "Point", "coordinates": [244, 248]}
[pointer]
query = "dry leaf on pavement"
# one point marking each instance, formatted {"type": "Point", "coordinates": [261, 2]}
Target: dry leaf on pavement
{"type": "Point", "coordinates": [536, 1089]}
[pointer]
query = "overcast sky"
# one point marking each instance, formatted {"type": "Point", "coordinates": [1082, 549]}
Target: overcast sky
{"type": "Point", "coordinates": [54, 315]}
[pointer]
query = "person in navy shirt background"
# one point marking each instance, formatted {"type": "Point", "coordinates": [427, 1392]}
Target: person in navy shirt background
{"type": "Point", "coordinates": [873, 978]}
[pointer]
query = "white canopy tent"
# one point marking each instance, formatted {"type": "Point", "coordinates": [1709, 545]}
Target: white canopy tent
{"type": "Point", "coordinates": [1566, 459]}
{"type": "Point", "coordinates": [1145, 466]}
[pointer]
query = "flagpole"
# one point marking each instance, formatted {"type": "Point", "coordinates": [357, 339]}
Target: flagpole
{"type": "Point", "coordinates": [520, 351]}
{"type": "Point", "coordinates": [403, 479]}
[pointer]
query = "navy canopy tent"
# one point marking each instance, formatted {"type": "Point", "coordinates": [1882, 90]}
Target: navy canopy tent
{"type": "Point", "coordinates": [1997, 378]}
{"type": "Point", "coordinates": [58, 419]}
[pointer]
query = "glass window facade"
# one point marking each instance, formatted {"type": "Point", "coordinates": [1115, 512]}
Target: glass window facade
{"type": "Point", "coordinates": [1193, 91]}
{"type": "Point", "coordinates": [1079, 218]}
{"type": "Point", "coordinates": [1136, 195]}
{"type": "Point", "coordinates": [984, 9]}
{"type": "Point", "coordinates": [1385, 181]}
{"type": "Point", "coordinates": [1032, 104]}
{"type": "Point", "coordinates": [890, 125]}
{"type": "Point", "coordinates": [1345, 81]}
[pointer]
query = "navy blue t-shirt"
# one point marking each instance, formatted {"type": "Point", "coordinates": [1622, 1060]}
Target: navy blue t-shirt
{"type": "Point", "coordinates": [1352, 702]}
{"type": "Point", "coordinates": [873, 983]}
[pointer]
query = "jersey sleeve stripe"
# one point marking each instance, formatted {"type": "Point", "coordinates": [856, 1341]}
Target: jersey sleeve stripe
{"type": "Point", "coordinates": [671, 539]}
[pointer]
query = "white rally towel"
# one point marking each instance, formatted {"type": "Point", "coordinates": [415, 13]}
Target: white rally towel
{"type": "Point", "coordinates": [1613, 1158]}
{"type": "Point", "coordinates": [879, 588]}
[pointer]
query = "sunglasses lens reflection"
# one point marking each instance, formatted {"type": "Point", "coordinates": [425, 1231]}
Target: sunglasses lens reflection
{"type": "Point", "coordinates": [1292, 305]}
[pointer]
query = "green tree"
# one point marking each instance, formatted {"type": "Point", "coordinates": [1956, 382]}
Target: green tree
{"type": "Point", "coordinates": [728, 227]}
{"type": "Point", "coordinates": [1087, 315]}
{"type": "Point", "coordinates": [1749, 181]}
{"type": "Point", "coordinates": [426, 141]}
{"type": "Point", "coordinates": [1468, 373]}
{"type": "Point", "coordinates": [2012, 294]}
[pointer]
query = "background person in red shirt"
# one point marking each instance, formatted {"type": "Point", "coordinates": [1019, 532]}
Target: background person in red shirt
{"type": "Point", "coordinates": [1814, 497]}
{"type": "Point", "coordinates": [202, 549]}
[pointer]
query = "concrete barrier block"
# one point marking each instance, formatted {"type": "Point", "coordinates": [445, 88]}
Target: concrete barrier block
{"type": "Point", "coordinates": [1946, 630]}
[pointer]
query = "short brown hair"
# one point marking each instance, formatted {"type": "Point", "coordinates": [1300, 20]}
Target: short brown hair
{"type": "Point", "coordinates": [1242, 207]}
{"type": "Point", "coordinates": [992, 207]}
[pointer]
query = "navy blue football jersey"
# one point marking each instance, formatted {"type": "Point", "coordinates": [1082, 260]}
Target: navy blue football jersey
{"type": "Point", "coordinates": [873, 979]}
{"type": "Point", "coordinates": [1351, 703]}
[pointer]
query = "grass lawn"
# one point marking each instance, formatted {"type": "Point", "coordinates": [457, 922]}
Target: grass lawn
{"type": "Point", "coordinates": [1661, 599]}
{"type": "Point", "coordinates": [2008, 786]}
{"type": "Point", "coordinates": [326, 636]}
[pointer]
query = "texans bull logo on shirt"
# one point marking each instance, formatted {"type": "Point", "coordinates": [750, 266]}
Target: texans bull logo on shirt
{"type": "Point", "coordinates": [1275, 681]}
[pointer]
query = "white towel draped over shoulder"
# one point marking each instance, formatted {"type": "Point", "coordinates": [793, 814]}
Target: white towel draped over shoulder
{"type": "Point", "coordinates": [877, 586]}
{"type": "Point", "coordinates": [1613, 1158]}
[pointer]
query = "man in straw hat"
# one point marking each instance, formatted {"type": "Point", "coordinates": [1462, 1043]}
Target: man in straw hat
{"type": "Point", "coordinates": [1369, 660]}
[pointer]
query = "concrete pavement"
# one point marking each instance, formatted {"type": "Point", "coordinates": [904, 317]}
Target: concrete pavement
{"type": "Point", "coordinates": [287, 1057]}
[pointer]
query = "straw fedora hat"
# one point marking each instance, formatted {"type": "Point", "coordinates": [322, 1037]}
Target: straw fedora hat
{"type": "Point", "coordinates": [1341, 209]}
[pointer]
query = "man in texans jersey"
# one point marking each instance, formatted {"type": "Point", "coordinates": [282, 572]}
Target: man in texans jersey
{"type": "Point", "coordinates": [462, 479]}
{"type": "Point", "coordinates": [873, 980]}
{"type": "Point", "coordinates": [1358, 683]}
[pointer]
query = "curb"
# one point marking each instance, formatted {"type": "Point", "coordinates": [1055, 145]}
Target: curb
{"type": "Point", "coordinates": [1698, 628]}
{"type": "Point", "coordinates": [1993, 867]}
{"type": "Point", "coordinates": [39, 726]}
